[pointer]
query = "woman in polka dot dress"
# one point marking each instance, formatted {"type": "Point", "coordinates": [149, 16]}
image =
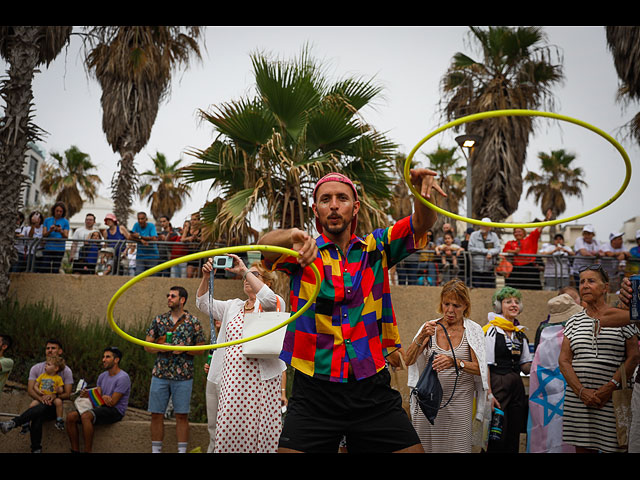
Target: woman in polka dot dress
{"type": "Point", "coordinates": [251, 397]}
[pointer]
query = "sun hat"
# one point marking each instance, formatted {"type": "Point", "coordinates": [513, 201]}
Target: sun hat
{"type": "Point", "coordinates": [561, 308]}
{"type": "Point", "coordinates": [613, 235]}
{"type": "Point", "coordinates": [110, 216]}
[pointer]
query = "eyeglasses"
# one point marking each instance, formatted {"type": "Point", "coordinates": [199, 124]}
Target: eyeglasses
{"type": "Point", "coordinates": [597, 267]}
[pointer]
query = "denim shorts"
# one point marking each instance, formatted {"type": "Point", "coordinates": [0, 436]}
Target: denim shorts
{"type": "Point", "coordinates": [160, 391]}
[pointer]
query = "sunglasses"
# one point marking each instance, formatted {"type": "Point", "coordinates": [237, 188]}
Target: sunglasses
{"type": "Point", "coordinates": [172, 295]}
{"type": "Point", "coordinates": [255, 273]}
{"type": "Point", "coordinates": [597, 268]}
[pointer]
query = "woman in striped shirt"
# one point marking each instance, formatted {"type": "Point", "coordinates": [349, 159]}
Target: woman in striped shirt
{"type": "Point", "coordinates": [589, 361]}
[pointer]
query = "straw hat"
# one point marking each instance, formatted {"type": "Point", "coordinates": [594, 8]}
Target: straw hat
{"type": "Point", "coordinates": [561, 308]}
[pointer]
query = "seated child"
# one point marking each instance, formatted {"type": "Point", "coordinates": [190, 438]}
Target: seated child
{"type": "Point", "coordinates": [89, 253]}
{"type": "Point", "coordinates": [50, 383]}
{"type": "Point", "coordinates": [105, 263]}
{"type": "Point", "coordinates": [449, 250]}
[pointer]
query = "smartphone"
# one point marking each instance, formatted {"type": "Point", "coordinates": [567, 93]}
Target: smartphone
{"type": "Point", "coordinates": [222, 261]}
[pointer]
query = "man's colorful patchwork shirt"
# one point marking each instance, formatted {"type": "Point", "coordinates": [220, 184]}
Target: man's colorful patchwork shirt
{"type": "Point", "coordinates": [352, 321]}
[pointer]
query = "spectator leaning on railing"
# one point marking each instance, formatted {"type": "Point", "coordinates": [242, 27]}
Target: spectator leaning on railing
{"type": "Point", "coordinates": [144, 233]}
{"type": "Point", "coordinates": [614, 259]}
{"type": "Point", "coordinates": [56, 229]}
{"type": "Point", "coordinates": [31, 233]}
{"type": "Point", "coordinates": [116, 234]}
{"type": "Point", "coordinates": [484, 247]}
{"type": "Point", "coordinates": [556, 270]}
{"type": "Point", "coordinates": [81, 233]}
{"type": "Point", "coordinates": [587, 249]}
{"type": "Point", "coordinates": [167, 234]}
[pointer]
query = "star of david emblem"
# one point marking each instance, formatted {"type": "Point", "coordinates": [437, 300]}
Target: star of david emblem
{"type": "Point", "coordinates": [539, 396]}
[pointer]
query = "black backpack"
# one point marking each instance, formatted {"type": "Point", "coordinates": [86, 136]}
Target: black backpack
{"type": "Point", "coordinates": [428, 390]}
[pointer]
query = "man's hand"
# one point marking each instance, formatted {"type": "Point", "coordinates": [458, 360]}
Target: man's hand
{"type": "Point", "coordinates": [423, 218]}
{"type": "Point", "coordinates": [626, 292]}
{"type": "Point", "coordinates": [423, 180]}
{"type": "Point", "coordinates": [305, 245]}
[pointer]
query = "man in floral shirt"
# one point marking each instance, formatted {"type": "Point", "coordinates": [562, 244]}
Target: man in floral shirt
{"type": "Point", "coordinates": [172, 374]}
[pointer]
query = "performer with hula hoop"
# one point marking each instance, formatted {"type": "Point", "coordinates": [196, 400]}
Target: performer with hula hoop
{"type": "Point", "coordinates": [338, 347]}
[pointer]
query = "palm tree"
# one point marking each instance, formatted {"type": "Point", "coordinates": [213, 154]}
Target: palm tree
{"type": "Point", "coordinates": [133, 65]}
{"type": "Point", "coordinates": [624, 43]}
{"type": "Point", "coordinates": [400, 204]}
{"type": "Point", "coordinates": [556, 181]}
{"type": "Point", "coordinates": [452, 179]}
{"type": "Point", "coordinates": [25, 49]}
{"type": "Point", "coordinates": [163, 190]}
{"type": "Point", "coordinates": [271, 148]}
{"type": "Point", "coordinates": [517, 70]}
{"type": "Point", "coordinates": [67, 176]}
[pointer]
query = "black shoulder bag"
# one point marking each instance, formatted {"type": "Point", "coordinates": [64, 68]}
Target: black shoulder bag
{"type": "Point", "coordinates": [428, 390]}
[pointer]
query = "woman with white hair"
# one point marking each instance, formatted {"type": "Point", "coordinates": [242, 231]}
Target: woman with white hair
{"type": "Point", "coordinates": [250, 399]}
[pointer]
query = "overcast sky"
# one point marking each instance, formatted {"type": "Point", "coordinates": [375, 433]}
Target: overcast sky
{"type": "Point", "coordinates": [407, 61]}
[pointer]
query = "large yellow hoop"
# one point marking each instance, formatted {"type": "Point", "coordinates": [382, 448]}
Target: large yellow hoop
{"type": "Point", "coordinates": [517, 112]}
{"type": "Point", "coordinates": [196, 256]}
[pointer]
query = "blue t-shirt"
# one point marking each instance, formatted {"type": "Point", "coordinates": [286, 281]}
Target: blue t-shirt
{"type": "Point", "coordinates": [146, 251]}
{"type": "Point", "coordinates": [50, 222]}
{"type": "Point", "coordinates": [118, 383]}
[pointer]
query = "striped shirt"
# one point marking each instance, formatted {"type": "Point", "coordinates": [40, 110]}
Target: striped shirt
{"type": "Point", "coordinates": [352, 321]}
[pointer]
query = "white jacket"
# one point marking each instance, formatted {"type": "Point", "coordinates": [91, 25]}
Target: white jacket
{"type": "Point", "coordinates": [226, 310]}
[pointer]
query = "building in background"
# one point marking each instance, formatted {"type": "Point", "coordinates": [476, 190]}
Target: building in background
{"type": "Point", "coordinates": [99, 207]}
{"type": "Point", "coordinates": [34, 158]}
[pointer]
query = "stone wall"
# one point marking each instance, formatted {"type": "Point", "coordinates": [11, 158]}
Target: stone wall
{"type": "Point", "coordinates": [87, 297]}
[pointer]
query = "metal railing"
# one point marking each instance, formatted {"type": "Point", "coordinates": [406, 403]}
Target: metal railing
{"type": "Point", "coordinates": [54, 255]}
{"type": "Point", "coordinates": [424, 267]}
{"type": "Point", "coordinates": [550, 272]}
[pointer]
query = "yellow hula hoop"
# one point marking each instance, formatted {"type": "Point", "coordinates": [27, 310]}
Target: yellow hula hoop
{"type": "Point", "coordinates": [196, 256]}
{"type": "Point", "coordinates": [517, 112]}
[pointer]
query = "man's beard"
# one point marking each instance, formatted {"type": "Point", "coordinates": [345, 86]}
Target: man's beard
{"type": "Point", "coordinates": [337, 229]}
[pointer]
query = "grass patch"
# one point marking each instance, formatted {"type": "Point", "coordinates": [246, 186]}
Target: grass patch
{"type": "Point", "coordinates": [31, 325]}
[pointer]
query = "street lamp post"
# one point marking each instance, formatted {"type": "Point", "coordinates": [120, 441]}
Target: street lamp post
{"type": "Point", "coordinates": [468, 142]}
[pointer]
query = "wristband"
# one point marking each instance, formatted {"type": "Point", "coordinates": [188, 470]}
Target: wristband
{"type": "Point", "coordinates": [617, 384]}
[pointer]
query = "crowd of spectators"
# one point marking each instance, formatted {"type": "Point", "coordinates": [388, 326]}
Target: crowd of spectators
{"type": "Point", "coordinates": [106, 248]}
{"type": "Point", "coordinates": [525, 262]}
{"type": "Point", "coordinates": [473, 257]}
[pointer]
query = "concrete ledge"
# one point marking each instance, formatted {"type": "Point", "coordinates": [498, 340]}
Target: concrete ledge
{"type": "Point", "coordinates": [130, 435]}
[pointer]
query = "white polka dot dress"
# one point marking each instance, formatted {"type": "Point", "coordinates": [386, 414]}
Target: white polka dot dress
{"type": "Point", "coordinates": [249, 418]}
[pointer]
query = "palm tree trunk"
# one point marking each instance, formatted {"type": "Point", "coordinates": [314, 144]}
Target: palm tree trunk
{"type": "Point", "coordinates": [15, 132]}
{"type": "Point", "coordinates": [123, 186]}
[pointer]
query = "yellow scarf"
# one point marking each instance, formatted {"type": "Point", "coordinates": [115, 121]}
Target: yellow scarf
{"type": "Point", "coordinates": [502, 323]}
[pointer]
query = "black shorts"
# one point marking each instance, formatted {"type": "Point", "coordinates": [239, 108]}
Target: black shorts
{"type": "Point", "coordinates": [368, 413]}
{"type": "Point", "coordinates": [104, 415]}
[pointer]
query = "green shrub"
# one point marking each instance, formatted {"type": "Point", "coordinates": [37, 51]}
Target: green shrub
{"type": "Point", "coordinates": [31, 325]}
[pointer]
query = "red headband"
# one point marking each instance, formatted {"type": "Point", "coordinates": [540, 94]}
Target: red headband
{"type": "Point", "coordinates": [336, 177]}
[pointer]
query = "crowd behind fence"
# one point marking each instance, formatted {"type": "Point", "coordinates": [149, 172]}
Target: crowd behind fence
{"type": "Point", "coordinates": [106, 257]}
{"type": "Point", "coordinates": [424, 267]}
